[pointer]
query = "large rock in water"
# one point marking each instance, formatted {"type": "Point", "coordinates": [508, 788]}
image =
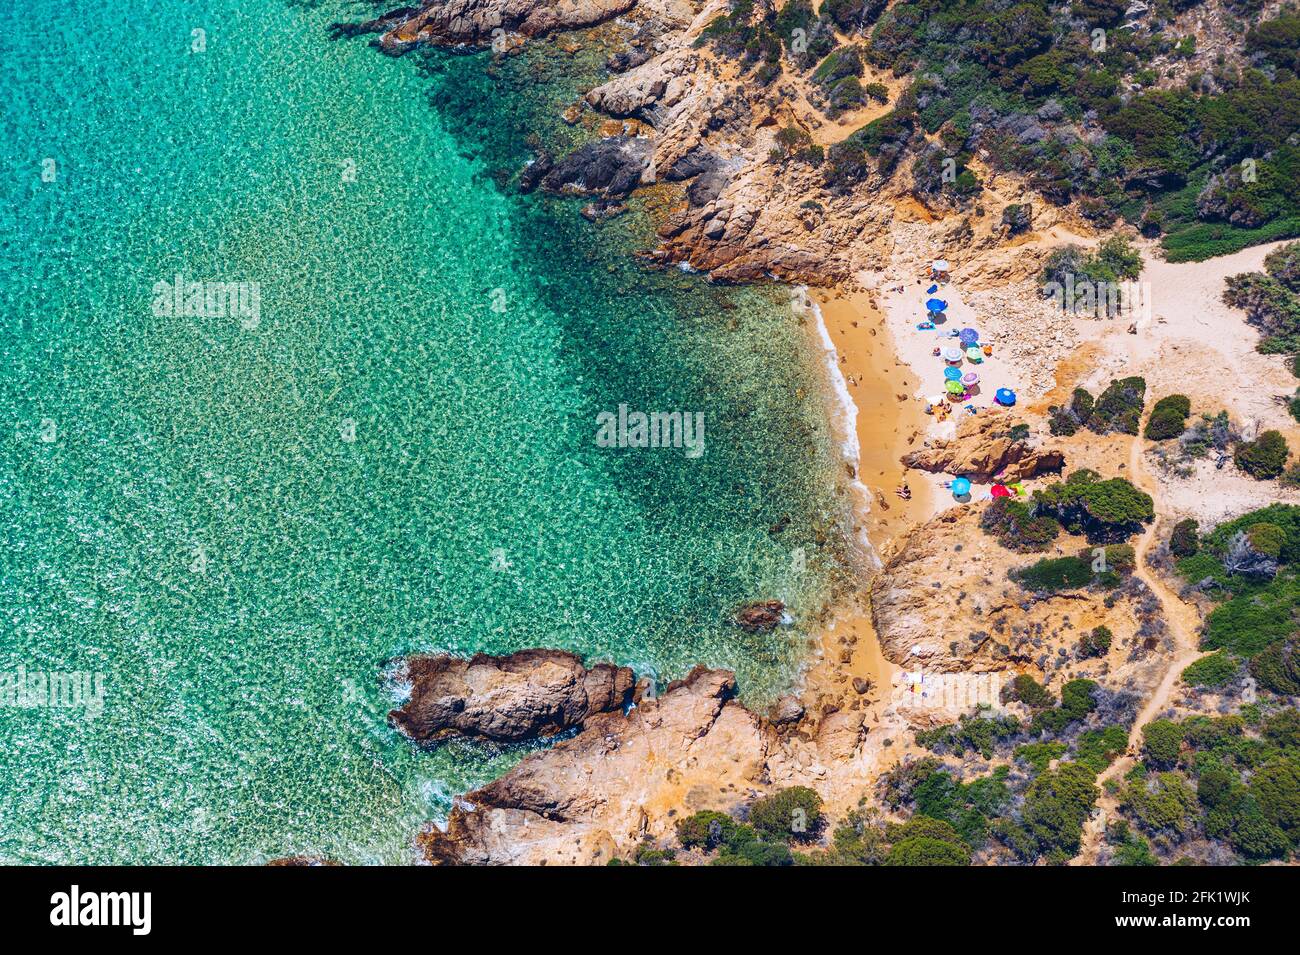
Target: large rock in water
{"type": "Point", "coordinates": [611, 168]}
{"type": "Point", "coordinates": [985, 449]}
{"type": "Point", "coordinates": [457, 22]}
{"type": "Point", "coordinates": [522, 696]}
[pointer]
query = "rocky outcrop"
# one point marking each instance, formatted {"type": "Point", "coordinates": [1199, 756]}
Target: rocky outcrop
{"type": "Point", "coordinates": [460, 22]}
{"type": "Point", "coordinates": [521, 696]}
{"type": "Point", "coordinates": [986, 449]}
{"type": "Point", "coordinates": [610, 168]}
{"type": "Point", "coordinates": [596, 795]}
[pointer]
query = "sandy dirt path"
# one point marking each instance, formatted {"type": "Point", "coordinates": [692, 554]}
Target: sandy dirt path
{"type": "Point", "coordinates": [1184, 622]}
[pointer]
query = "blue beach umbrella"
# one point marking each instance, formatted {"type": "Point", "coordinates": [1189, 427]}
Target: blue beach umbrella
{"type": "Point", "coordinates": [969, 336]}
{"type": "Point", "coordinates": [960, 487]}
{"type": "Point", "coordinates": [952, 374]}
{"type": "Point", "coordinates": [1005, 396]}
{"type": "Point", "coordinates": [936, 305]}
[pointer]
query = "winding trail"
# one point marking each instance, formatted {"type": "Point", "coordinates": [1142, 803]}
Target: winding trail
{"type": "Point", "coordinates": [1184, 622]}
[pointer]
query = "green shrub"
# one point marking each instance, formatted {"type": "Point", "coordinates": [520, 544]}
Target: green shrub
{"type": "Point", "coordinates": [1277, 668]}
{"type": "Point", "coordinates": [1162, 742]}
{"type": "Point", "coordinates": [923, 851]}
{"type": "Point", "coordinates": [1096, 642]}
{"type": "Point", "coordinates": [1184, 541]}
{"type": "Point", "coordinates": [1052, 574]}
{"type": "Point", "coordinates": [1107, 511]}
{"type": "Point", "coordinates": [1097, 749]}
{"type": "Point", "coordinates": [1217, 669]}
{"type": "Point", "coordinates": [794, 813]}
{"type": "Point", "coordinates": [1168, 418]}
{"type": "Point", "coordinates": [1266, 539]}
{"type": "Point", "coordinates": [1040, 755]}
{"type": "Point", "coordinates": [1263, 458]}
{"type": "Point", "coordinates": [1119, 407]}
{"type": "Point", "coordinates": [1277, 788]}
{"type": "Point", "coordinates": [1017, 527]}
{"type": "Point", "coordinates": [705, 830]}
{"type": "Point", "coordinates": [1030, 692]}
{"type": "Point", "coordinates": [1163, 802]}
{"type": "Point", "coordinates": [1056, 804]}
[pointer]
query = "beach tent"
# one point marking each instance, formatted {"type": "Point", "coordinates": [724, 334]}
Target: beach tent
{"type": "Point", "coordinates": [960, 487]}
{"type": "Point", "coordinates": [955, 387]}
{"type": "Point", "coordinates": [974, 354]}
{"type": "Point", "coordinates": [999, 490]}
{"type": "Point", "coordinates": [935, 305]}
{"type": "Point", "coordinates": [952, 354]}
{"type": "Point", "coordinates": [1005, 396]}
{"type": "Point", "coordinates": [970, 378]}
{"type": "Point", "coordinates": [952, 374]}
{"type": "Point", "coordinates": [939, 268]}
{"type": "Point", "coordinates": [969, 336]}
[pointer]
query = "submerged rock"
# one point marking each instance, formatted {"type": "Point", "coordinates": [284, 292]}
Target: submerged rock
{"type": "Point", "coordinates": [505, 699]}
{"type": "Point", "coordinates": [760, 616]}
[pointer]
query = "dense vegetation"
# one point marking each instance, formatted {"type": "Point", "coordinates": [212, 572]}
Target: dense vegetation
{"type": "Point", "coordinates": [1118, 409]}
{"type": "Point", "coordinates": [1250, 565]}
{"type": "Point", "coordinates": [1205, 157]}
{"type": "Point", "coordinates": [1234, 780]}
{"type": "Point", "coordinates": [1107, 511]}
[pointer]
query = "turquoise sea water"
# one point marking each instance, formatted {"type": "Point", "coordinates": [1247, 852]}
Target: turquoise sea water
{"type": "Point", "coordinates": [238, 520]}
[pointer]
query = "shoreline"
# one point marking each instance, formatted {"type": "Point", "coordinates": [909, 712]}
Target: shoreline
{"type": "Point", "coordinates": [876, 422]}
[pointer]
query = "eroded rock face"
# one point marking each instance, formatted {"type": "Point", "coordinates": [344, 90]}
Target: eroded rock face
{"type": "Point", "coordinates": [455, 22]}
{"type": "Point", "coordinates": [984, 450]}
{"type": "Point", "coordinates": [521, 696]}
{"type": "Point", "coordinates": [594, 796]}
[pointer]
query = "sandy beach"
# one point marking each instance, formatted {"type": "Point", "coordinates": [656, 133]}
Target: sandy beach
{"type": "Point", "coordinates": [887, 421]}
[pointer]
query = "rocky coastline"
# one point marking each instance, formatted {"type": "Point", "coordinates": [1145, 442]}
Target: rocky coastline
{"type": "Point", "coordinates": [631, 762]}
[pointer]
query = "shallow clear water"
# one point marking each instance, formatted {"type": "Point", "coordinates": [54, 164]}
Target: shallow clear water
{"type": "Point", "coordinates": [238, 519]}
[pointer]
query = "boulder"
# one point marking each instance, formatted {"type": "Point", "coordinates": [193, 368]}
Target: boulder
{"type": "Point", "coordinates": [506, 699]}
{"type": "Point", "coordinates": [985, 449]}
{"type": "Point", "coordinates": [610, 168]}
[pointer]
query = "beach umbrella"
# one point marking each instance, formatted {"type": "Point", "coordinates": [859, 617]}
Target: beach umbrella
{"type": "Point", "coordinates": [974, 354]}
{"type": "Point", "coordinates": [960, 487]}
{"type": "Point", "coordinates": [940, 265]}
{"type": "Point", "coordinates": [936, 305]}
{"type": "Point", "coordinates": [952, 354]}
{"type": "Point", "coordinates": [955, 387]}
{"type": "Point", "coordinates": [1005, 396]}
{"type": "Point", "coordinates": [999, 490]}
{"type": "Point", "coordinates": [969, 336]}
{"type": "Point", "coordinates": [952, 374]}
{"type": "Point", "coordinates": [970, 378]}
